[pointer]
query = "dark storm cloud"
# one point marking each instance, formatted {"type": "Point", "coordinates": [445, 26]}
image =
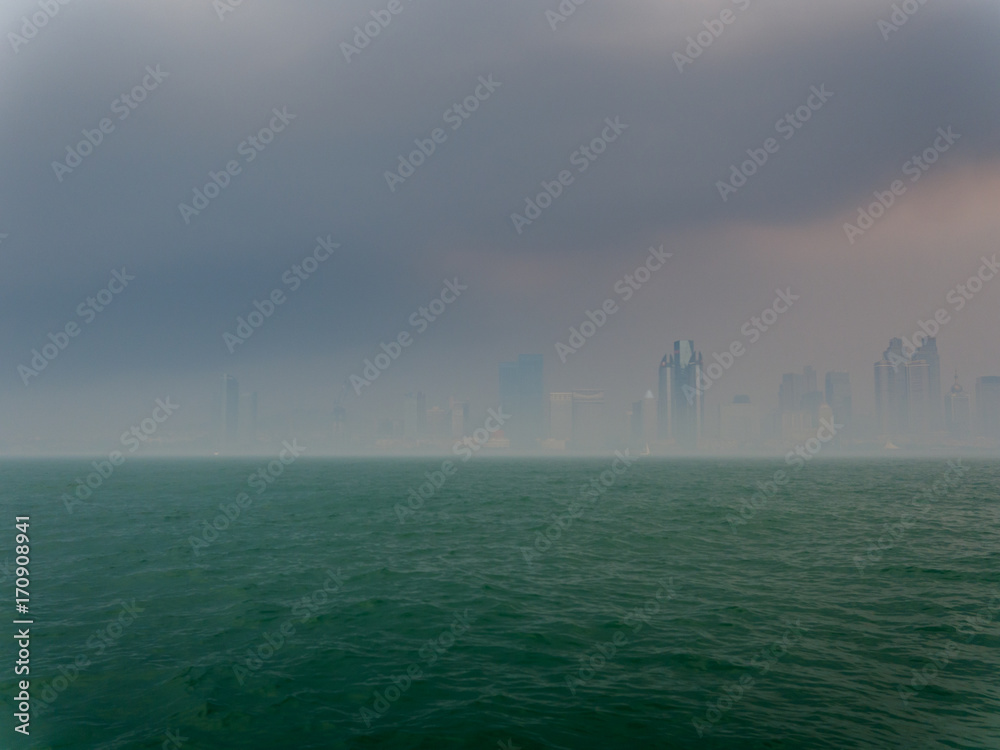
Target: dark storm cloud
{"type": "Point", "coordinates": [325, 173]}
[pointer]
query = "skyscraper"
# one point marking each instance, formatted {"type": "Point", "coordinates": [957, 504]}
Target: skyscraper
{"type": "Point", "coordinates": [928, 352]}
{"type": "Point", "coordinates": [918, 397]}
{"type": "Point", "coordinates": [890, 390]}
{"type": "Point", "coordinates": [414, 416]}
{"type": "Point", "coordinates": [588, 419]}
{"type": "Point", "coordinates": [838, 396]}
{"type": "Point", "coordinates": [522, 395]}
{"type": "Point", "coordinates": [988, 406]}
{"type": "Point", "coordinates": [958, 411]}
{"type": "Point", "coordinates": [681, 410]}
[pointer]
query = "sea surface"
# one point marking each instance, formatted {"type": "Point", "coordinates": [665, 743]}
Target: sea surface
{"type": "Point", "coordinates": [510, 609]}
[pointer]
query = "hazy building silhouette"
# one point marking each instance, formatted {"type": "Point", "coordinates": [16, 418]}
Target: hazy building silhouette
{"type": "Point", "coordinates": [988, 406]}
{"type": "Point", "coordinates": [414, 416]}
{"type": "Point", "coordinates": [681, 411]}
{"type": "Point", "coordinates": [890, 390]}
{"type": "Point", "coordinates": [918, 398]}
{"type": "Point", "coordinates": [588, 419]}
{"type": "Point", "coordinates": [958, 411]}
{"type": "Point", "coordinates": [928, 353]}
{"type": "Point", "coordinates": [838, 396]}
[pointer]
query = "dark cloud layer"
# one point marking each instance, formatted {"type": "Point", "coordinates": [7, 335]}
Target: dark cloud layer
{"type": "Point", "coordinates": [324, 175]}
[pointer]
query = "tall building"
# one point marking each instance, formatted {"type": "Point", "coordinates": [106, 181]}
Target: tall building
{"type": "Point", "coordinates": [928, 353]}
{"type": "Point", "coordinates": [663, 400]}
{"type": "Point", "coordinates": [890, 390]}
{"type": "Point", "coordinates": [799, 392]}
{"type": "Point", "coordinates": [588, 420]}
{"type": "Point", "coordinates": [838, 396]}
{"type": "Point", "coordinates": [918, 397]}
{"type": "Point", "coordinates": [958, 411]}
{"type": "Point", "coordinates": [681, 410]}
{"type": "Point", "coordinates": [988, 406]}
{"type": "Point", "coordinates": [522, 395]}
{"type": "Point", "coordinates": [229, 411]}
{"type": "Point", "coordinates": [414, 416]}
{"type": "Point", "coordinates": [561, 416]}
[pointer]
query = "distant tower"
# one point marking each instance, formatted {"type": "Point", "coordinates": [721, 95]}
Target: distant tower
{"type": "Point", "coordinates": [988, 406]}
{"type": "Point", "coordinates": [890, 390]}
{"type": "Point", "coordinates": [414, 416]}
{"type": "Point", "coordinates": [838, 396]}
{"type": "Point", "coordinates": [928, 353]}
{"type": "Point", "coordinates": [682, 419]}
{"type": "Point", "coordinates": [958, 411]}
{"type": "Point", "coordinates": [588, 419]}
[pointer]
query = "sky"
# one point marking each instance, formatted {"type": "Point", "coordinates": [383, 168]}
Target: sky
{"type": "Point", "coordinates": [213, 75]}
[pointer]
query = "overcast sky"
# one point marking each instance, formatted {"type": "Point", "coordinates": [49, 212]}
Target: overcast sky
{"type": "Point", "coordinates": [220, 79]}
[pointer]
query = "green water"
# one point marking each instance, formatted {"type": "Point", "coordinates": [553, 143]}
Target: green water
{"type": "Point", "coordinates": [512, 609]}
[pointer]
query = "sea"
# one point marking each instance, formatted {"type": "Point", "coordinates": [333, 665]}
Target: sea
{"type": "Point", "coordinates": [497, 603]}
